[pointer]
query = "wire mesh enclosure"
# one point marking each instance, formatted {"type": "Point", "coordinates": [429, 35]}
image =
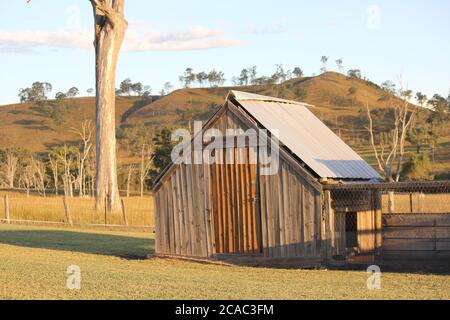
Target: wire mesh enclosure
{"type": "Point", "coordinates": [389, 221]}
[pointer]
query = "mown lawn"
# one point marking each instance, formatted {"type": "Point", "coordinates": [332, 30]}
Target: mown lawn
{"type": "Point", "coordinates": [33, 264]}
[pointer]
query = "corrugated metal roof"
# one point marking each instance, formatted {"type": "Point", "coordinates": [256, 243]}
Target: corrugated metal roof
{"type": "Point", "coordinates": [307, 137]}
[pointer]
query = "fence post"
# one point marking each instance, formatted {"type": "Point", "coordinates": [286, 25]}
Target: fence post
{"type": "Point", "coordinates": [6, 201]}
{"type": "Point", "coordinates": [124, 213]}
{"type": "Point", "coordinates": [67, 211]}
{"type": "Point", "coordinates": [411, 202]}
{"type": "Point", "coordinates": [106, 209]}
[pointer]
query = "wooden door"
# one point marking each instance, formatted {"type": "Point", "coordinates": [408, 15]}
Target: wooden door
{"type": "Point", "coordinates": [234, 198]}
{"type": "Point", "coordinates": [366, 232]}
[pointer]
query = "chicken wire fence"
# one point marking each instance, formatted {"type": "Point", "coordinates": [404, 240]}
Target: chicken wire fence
{"type": "Point", "coordinates": [17, 206]}
{"type": "Point", "coordinates": [405, 220]}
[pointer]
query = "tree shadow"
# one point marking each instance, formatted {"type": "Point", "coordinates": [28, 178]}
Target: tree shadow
{"type": "Point", "coordinates": [83, 242]}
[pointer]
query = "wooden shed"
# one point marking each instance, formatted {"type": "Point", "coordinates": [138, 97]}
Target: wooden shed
{"type": "Point", "coordinates": [236, 209]}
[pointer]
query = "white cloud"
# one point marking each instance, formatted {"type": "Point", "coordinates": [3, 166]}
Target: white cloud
{"type": "Point", "coordinates": [136, 40]}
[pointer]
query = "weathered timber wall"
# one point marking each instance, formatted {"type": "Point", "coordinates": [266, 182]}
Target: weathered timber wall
{"type": "Point", "coordinates": [205, 210]}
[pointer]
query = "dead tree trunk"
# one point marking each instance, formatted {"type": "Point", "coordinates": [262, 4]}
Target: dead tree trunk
{"type": "Point", "coordinates": [110, 27]}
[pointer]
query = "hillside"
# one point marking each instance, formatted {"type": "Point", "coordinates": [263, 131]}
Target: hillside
{"type": "Point", "coordinates": [338, 101]}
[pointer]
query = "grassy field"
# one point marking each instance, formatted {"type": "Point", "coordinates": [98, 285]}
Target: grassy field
{"type": "Point", "coordinates": [33, 264]}
{"type": "Point", "coordinates": [139, 211]}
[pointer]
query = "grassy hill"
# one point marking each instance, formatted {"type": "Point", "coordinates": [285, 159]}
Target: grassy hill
{"type": "Point", "coordinates": [338, 100]}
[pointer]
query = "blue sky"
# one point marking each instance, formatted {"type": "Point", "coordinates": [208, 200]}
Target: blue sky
{"type": "Point", "coordinates": [50, 40]}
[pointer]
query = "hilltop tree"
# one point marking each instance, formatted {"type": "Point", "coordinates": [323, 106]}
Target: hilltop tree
{"type": "Point", "coordinates": [244, 77]}
{"type": "Point", "coordinates": [73, 92]}
{"type": "Point", "coordinates": [125, 86]}
{"type": "Point", "coordinates": [137, 88]}
{"type": "Point", "coordinates": [168, 87]}
{"type": "Point", "coordinates": [90, 91]}
{"type": "Point", "coordinates": [339, 63]}
{"type": "Point", "coordinates": [354, 74]}
{"type": "Point", "coordinates": [280, 75]}
{"type": "Point", "coordinates": [37, 92]}
{"type": "Point", "coordinates": [188, 78]}
{"type": "Point", "coordinates": [324, 60]}
{"type": "Point", "coordinates": [202, 77]}
{"type": "Point", "coordinates": [253, 74]}
{"type": "Point", "coordinates": [60, 96]}
{"type": "Point", "coordinates": [298, 72]}
{"type": "Point", "coordinates": [216, 78]}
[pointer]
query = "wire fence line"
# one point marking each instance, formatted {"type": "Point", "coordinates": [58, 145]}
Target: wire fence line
{"type": "Point", "coordinates": [18, 207]}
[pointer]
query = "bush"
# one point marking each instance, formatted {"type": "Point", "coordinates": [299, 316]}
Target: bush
{"type": "Point", "coordinates": [417, 168]}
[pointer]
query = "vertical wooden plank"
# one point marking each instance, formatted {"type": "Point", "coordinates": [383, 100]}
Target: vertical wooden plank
{"type": "Point", "coordinates": [287, 208]}
{"type": "Point", "coordinates": [328, 226]}
{"type": "Point", "coordinates": [303, 223]}
{"type": "Point", "coordinates": [199, 209]}
{"type": "Point", "coordinates": [241, 199]}
{"type": "Point", "coordinates": [156, 209]}
{"type": "Point", "coordinates": [223, 213]}
{"type": "Point", "coordinates": [258, 204]}
{"type": "Point", "coordinates": [253, 172]}
{"type": "Point", "coordinates": [186, 222]}
{"type": "Point", "coordinates": [237, 203]}
{"type": "Point", "coordinates": [312, 221]}
{"type": "Point", "coordinates": [274, 236]}
{"type": "Point", "coordinates": [175, 213]}
{"type": "Point", "coordinates": [296, 213]}
{"type": "Point", "coordinates": [190, 198]}
{"type": "Point", "coordinates": [264, 225]}
{"type": "Point", "coordinates": [216, 203]}
{"type": "Point", "coordinates": [233, 204]}
{"type": "Point", "coordinates": [209, 221]}
{"type": "Point", "coordinates": [227, 180]}
{"type": "Point", "coordinates": [170, 214]}
{"type": "Point", "coordinates": [281, 226]}
{"type": "Point", "coordinates": [247, 199]}
{"type": "Point", "coordinates": [181, 211]}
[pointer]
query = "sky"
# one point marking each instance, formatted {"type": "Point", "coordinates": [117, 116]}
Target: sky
{"type": "Point", "coordinates": [48, 40]}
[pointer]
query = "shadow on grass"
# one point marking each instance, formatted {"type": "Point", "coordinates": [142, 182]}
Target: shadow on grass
{"type": "Point", "coordinates": [92, 243]}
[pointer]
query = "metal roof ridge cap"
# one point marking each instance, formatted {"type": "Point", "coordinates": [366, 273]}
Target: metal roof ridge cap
{"type": "Point", "coordinates": [259, 97]}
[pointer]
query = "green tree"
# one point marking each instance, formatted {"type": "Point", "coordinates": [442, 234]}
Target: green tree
{"type": "Point", "coordinates": [324, 60]}
{"type": "Point", "coordinates": [125, 86]}
{"type": "Point", "coordinates": [202, 78]}
{"type": "Point", "coordinates": [163, 146]}
{"type": "Point", "coordinates": [298, 72]}
{"type": "Point", "coordinates": [244, 77]}
{"type": "Point", "coordinates": [354, 74]}
{"type": "Point", "coordinates": [418, 167]}
{"type": "Point", "coordinates": [37, 92]}
{"type": "Point", "coordinates": [339, 63]}
{"type": "Point", "coordinates": [216, 78]}
{"type": "Point", "coordinates": [137, 88]}
{"type": "Point", "coordinates": [188, 78]}
{"type": "Point", "coordinates": [73, 92]}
